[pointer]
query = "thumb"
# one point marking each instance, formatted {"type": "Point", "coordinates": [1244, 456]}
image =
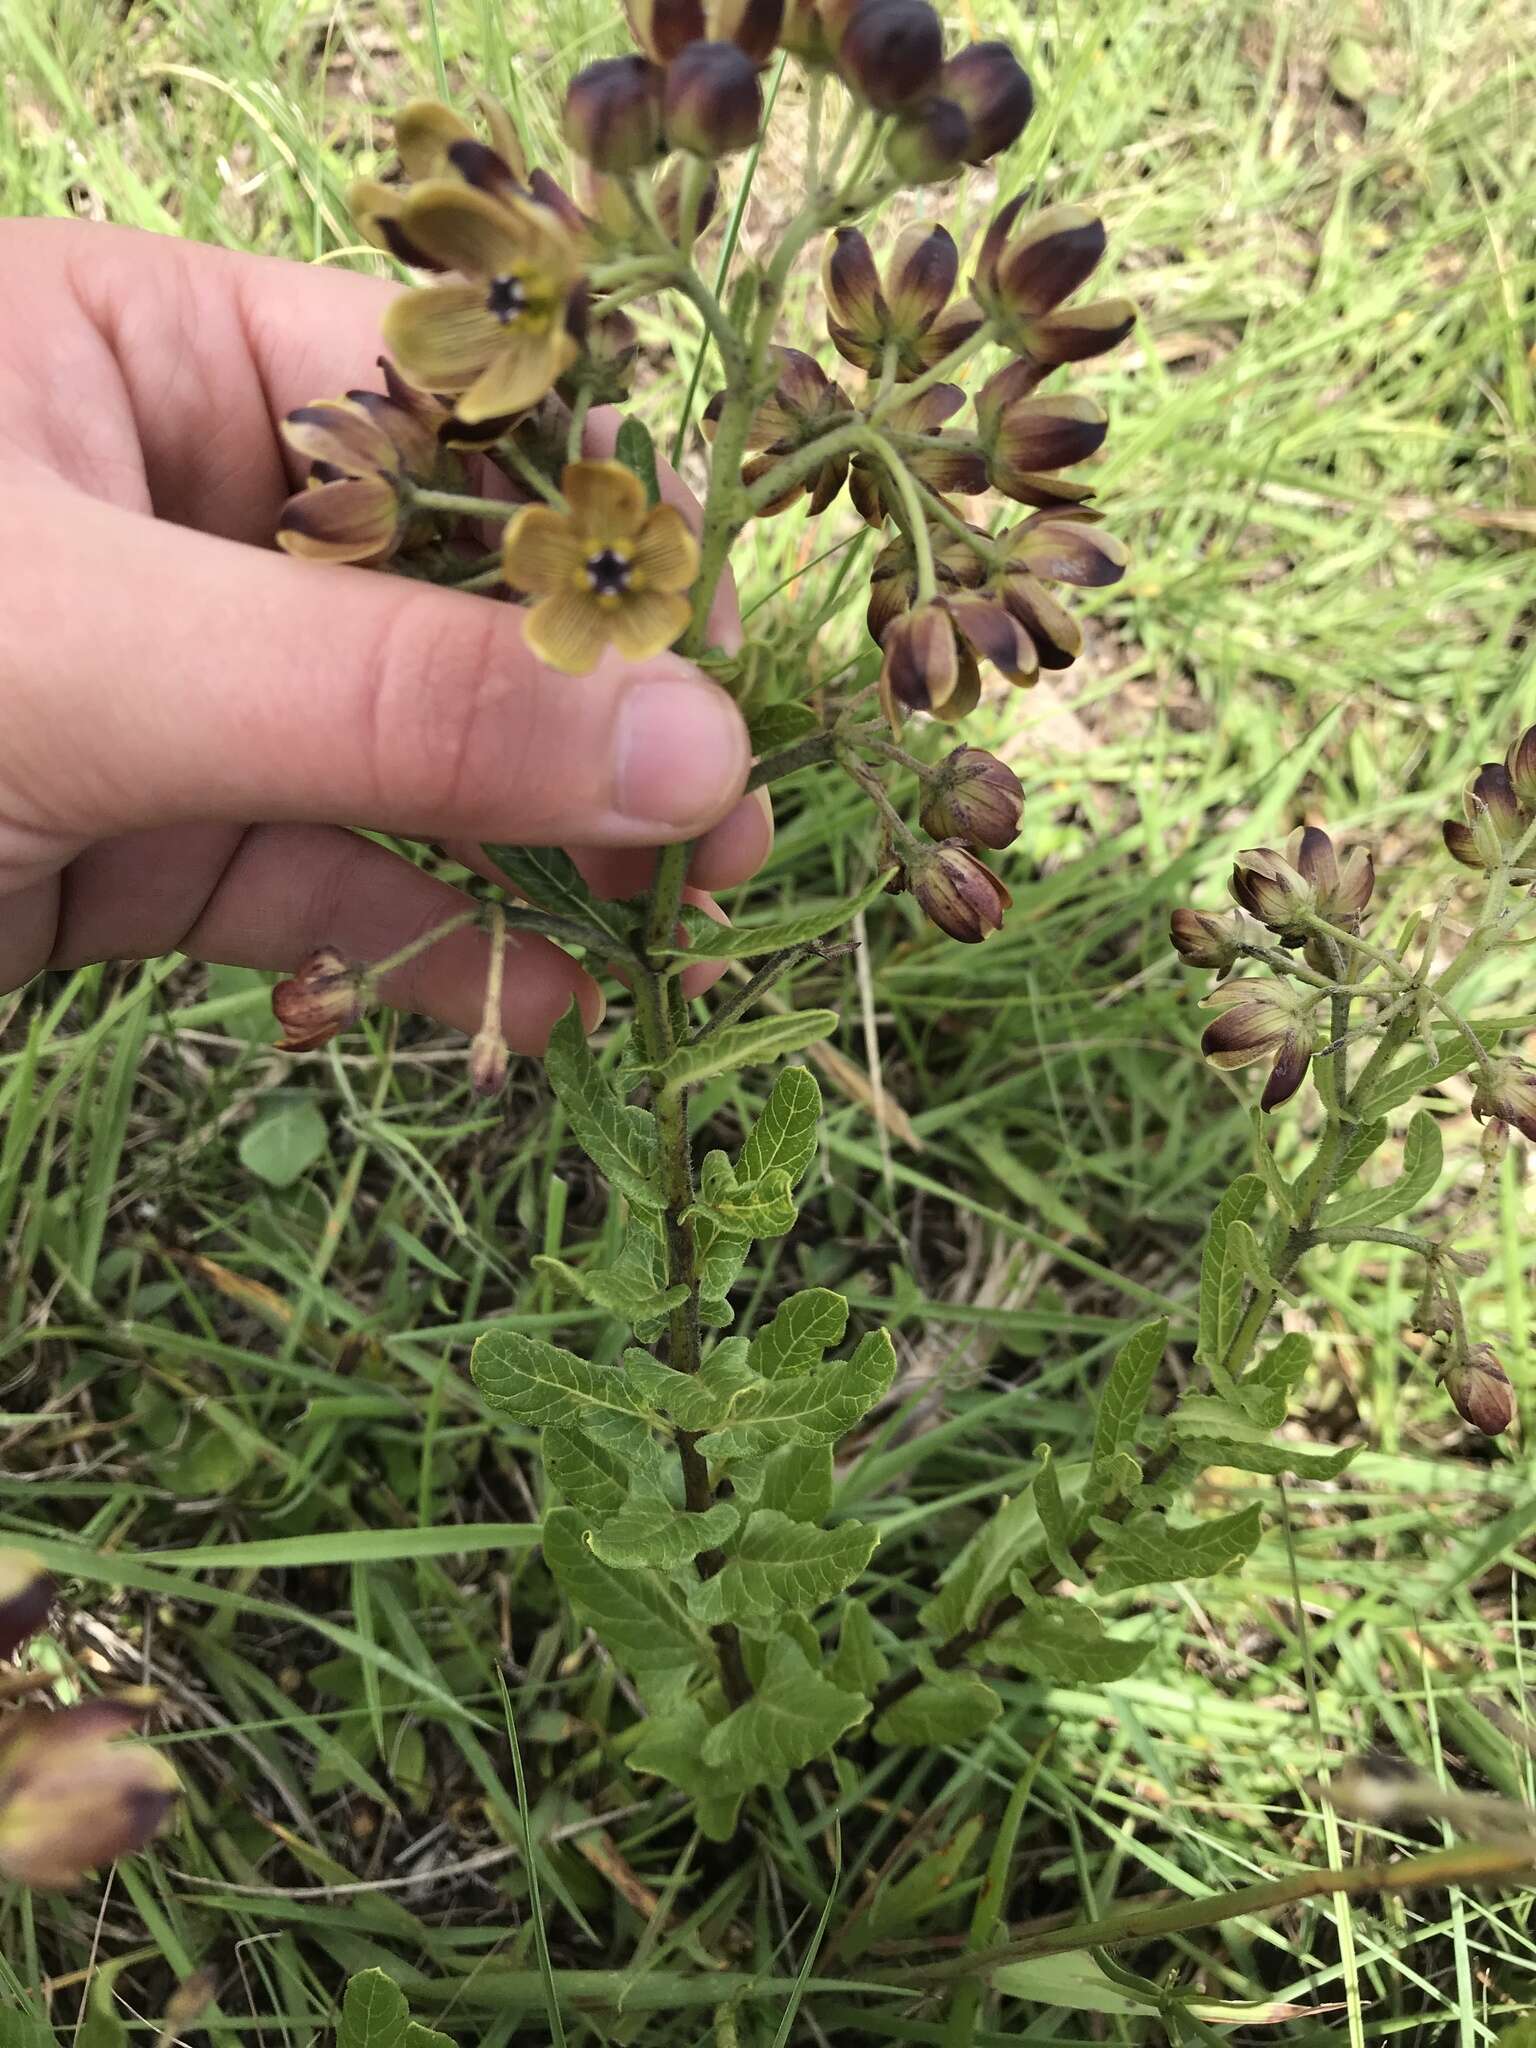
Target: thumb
{"type": "Point", "coordinates": [152, 675]}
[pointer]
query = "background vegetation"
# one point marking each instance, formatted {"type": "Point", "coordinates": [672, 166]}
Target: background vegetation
{"type": "Point", "coordinates": [239, 1292]}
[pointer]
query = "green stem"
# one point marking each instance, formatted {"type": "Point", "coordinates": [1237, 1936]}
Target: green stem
{"type": "Point", "coordinates": [1405, 980]}
{"type": "Point", "coordinates": [790, 469]}
{"type": "Point", "coordinates": [867, 780]}
{"type": "Point", "coordinates": [576, 431]}
{"type": "Point", "coordinates": [940, 373]}
{"type": "Point", "coordinates": [458, 501]}
{"type": "Point", "coordinates": [917, 526]}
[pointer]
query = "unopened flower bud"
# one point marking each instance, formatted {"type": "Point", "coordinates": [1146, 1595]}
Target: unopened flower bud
{"type": "Point", "coordinates": [1508, 1092]}
{"type": "Point", "coordinates": [1273, 891]}
{"type": "Point", "coordinates": [1480, 1390]}
{"type": "Point", "coordinates": [891, 52]}
{"type": "Point", "coordinates": [74, 1795]}
{"type": "Point", "coordinates": [974, 797]}
{"type": "Point", "coordinates": [26, 1594]}
{"type": "Point", "coordinates": [488, 1062]}
{"type": "Point", "coordinates": [992, 89]}
{"type": "Point", "coordinates": [927, 143]}
{"type": "Point", "coordinates": [804, 33]}
{"type": "Point", "coordinates": [1520, 764]}
{"type": "Point", "coordinates": [326, 996]}
{"type": "Point", "coordinates": [956, 892]}
{"type": "Point", "coordinates": [1496, 820]}
{"type": "Point", "coordinates": [1202, 938]}
{"type": "Point", "coordinates": [714, 103]}
{"type": "Point", "coordinates": [612, 114]}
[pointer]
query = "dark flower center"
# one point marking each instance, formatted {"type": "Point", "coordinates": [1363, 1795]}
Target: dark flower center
{"type": "Point", "coordinates": [506, 298]}
{"type": "Point", "coordinates": [608, 573]}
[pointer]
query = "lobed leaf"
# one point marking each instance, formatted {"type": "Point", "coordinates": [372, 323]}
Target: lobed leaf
{"type": "Point", "coordinates": [1221, 1280]}
{"type": "Point", "coordinates": [742, 941]}
{"type": "Point", "coordinates": [640, 1619]}
{"type": "Point", "coordinates": [1063, 1642]}
{"type": "Point", "coordinates": [1149, 1550]}
{"type": "Point", "coordinates": [652, 1534]}
{"type": "Point", "coordinates": [794, 1716]}
{"type": "Point", "coordinates": [619, 1139]}
{"type": "Point", "coordinates": [535, 1382]}
{"type": "Point", "coordinates": [797, 1481]}
{"type": "Point", "coordinates": [812, 1408]}
{"type": "Point", "coordinates": [806, 1325]}
{"type": "Point", "coordinates": [951, 1708]}
{"type": "Point", "coordinates": [591, 1477]}
{"type": "Point", "coordinates": [778, 1565]}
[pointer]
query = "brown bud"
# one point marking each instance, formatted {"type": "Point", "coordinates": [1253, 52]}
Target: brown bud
{"type": "Point", "coordinates": [927, 143]}
{"type": "Point", "coordinates": [1203, 939]}
{"type": "Point", "coordinates": [1496, 820]}
{"type": "Point", "coordinates": [1520, 763]}
{"type": "Point", "coordinates": [992, 89]}
{"type": "Point", "coordinates": [488, 1062]}
{"type": "Point", "coordinates": [663, 28]}
{"type": "Point", "coordinates": [891, 52]}
{"type": "Point", "coordinates": [1273, 891]}
{"type": "Point", "coordinates": [26, 1594]}
{"type": "Point", "coordinates": [612, 114]}
{"type": "Point", "coordinates": [974, 797]}
{"type": "Point", "coordinates": [326, 996]}
{"type": "Point", "coordinates": [713, 101]}
{"type": "Point", "coordinates": [804, 33]}
{"type": "Point", "coordinates": [1480, 1390]}
{"type": "Point", "coordinates": [1508, 1093]}
{"type": "Point", "coordinates": [74, 1795]}
{"type": "Point", "coordinates": [956, 892]}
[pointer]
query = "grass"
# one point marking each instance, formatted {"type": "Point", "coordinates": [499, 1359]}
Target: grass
{"type": "Point", "coordinates": [238, 1418]}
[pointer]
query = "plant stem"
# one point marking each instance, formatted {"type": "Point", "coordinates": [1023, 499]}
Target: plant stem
{"type": "Point", "coordinates": [817, 746]}
{"type": "Point", "coordinates": [939, 374]}
{"type": "Point", "coordinates": [911, 504]}
{"type": "Point", "coordinates": [459, 501]}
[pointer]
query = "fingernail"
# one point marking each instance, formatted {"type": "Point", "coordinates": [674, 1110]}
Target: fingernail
{"type": "Point", "coordinates": [681, 753]}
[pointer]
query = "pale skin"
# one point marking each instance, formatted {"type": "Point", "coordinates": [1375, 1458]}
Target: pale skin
{"type": "Point", "coordinates": [190, 722]}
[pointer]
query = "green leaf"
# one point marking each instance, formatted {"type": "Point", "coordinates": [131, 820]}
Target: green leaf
{"type": "Point", "coordinates": [1404, 1082]}
{"type": "Point", "coordinates": [1061, 1529]}
{"type": "Point", "coordinates": [1011, 1535]}
{"type": "Point", "coordinates": [1367, 1140]}
{"type": "Point", "coordinates": [374, 2013]}
{"type": "Point", "coordinates": [806, 1325]}
{"type": "Point", "coordinates": [637, 451]}
{"type": "Point", "coordinates": [639, 1618]}
{"type": "Point", "coordinates": [672, 1747]}
{"type": "Point", "coordinates": [797, 1481]}
{"type": "Point", "coordinates": [1063, 1642]}
{"type": "Point", "coordinates": [860, 1664]}
{"type": "Point", "coordinates": [1123, 1402]}
{"type": "Point", "coordinates": [282, 1145]}
{"type": "Point", "coordinates": [720, 1262]}
{"type": "Point", "coordinates": [780, 725]}
{"type": "Point", "coordinates": [418, 2036]}
{"type": "Point", "coordinates": [552, 880]}
{"type": "Point", "coordinates": [755, 1042]}
{"type": "Point", "coordinates": [1350, 70]}
{"type": "Point", "coordinates": [22, 2030]}
{"type": "Point", "coordinates": [619, 1140]}
{"type": "Point", "coordinates": [952, 1708]}
{"type": "Point", "coordinates": [687, 1399]}
{"type": "Point", "coordinates": [1423, 1162]}
{"type": "Point", "coordinates": [925, 1889]}
{"type": "Point", "coordinates": [1149, 1550]}
{"type": "Point", "coordinates": [652, 1534]}
{"type": "Point", "coordinates": [786, 1132]}
{"type": "Point", "coordinates": [1265, 1389]}
{"type": "Point", "coordinates": [743, 941]}
{"type": "Point", "coordinates": [622, 1293]}
{"type": "Point", "coordinates": [1307, 1461]}
{"type": "Point", "coordinates": [781, 1566]}
{"type": "Point", "coordinates": [592, 1477]}
{"type": "Point", "coordinates": [794, 1716]}
{"type": "Point", "coordinates": [1221, 1281]}
{"type": "Point", "coordinates": [812, 1408]}
{"type": "Point", "coordinates": [758, 1208]}
{"type": "Point", "coordinates": [1278, 1188]}
{"type": "Point", "coordinates": [539, 1383]}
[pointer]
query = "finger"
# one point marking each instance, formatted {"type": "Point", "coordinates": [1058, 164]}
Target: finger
{"type": "Point", "coordinates": [153, 676]}
{"type": "Point", "coordinates": [729, 854]}
{"type": "Point", "coordinates": [285, 890]}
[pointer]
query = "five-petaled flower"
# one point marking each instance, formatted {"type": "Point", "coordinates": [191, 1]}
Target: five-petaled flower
{"type": "Point", "coordinates": [499, 340]}
{"type": "Point", "coordinates": [609, 568]}
{"type": "Point", "coordinates": [363, 448]}
{"type": "Point", "coordinates": [1260, 1020]}
{"type": "Point", "coordinates": [908, 312]}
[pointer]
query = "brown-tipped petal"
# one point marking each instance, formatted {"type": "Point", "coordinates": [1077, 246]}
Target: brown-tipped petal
{"type": "Point", "coordinates": [501, 128]}
{"type": "Point", "coordinates": [1270, 889]}
{"type": "Point", "coordinates": [1508, 1093]}
{"type": "Point", "coordinates": [1057, 636]}
{"type": "Point", "coordinates": [753, 25]}
{"type": "Point", "coordinates": [920, 275]}
{"type": "Point", "coordinates": [927, 142]}
{"type": "Point", "coordinates": [612, 114]}
{"type": "Point", "coordinates": [1242, 1034]}
{"type": "Point", "coordinates": [343, 434]}
{"type": "Point", "coordinates": [947, 466]}
{"type": "Point", "coordinates": [1004, 390]}
{"type": "Point", "coordinates": [412, 430]}
{"type": "Point", "coordinates": [26, 1595]}
{"type": "Point", "coordinates": [1288, 1071]}
{"type": "Point", "coordinates": [921, 668]}
{"type": "Point", "coordinates": [1494, 811]}
{"type": "Point", "coordinates": [993, 91]}
{"type": "Point", "coordinates": [957, 323]}
{"type": "Point", "coordinates": [802, 387]}
{"type": "Point", "coordinates": [1075, 334]}
{"type": "Point", "coordinates": [1357, 880]}
{"type": "Point", "coordinates": [1461, 845]}
{"type": "Point", "coordinates": [891, 52]}
{"type": "Point", "coordinates": [713, 103]}
{"type": "Point", "coordinates": [1067, 552]}
{"type": "Point", "coordinates": [324, 997]}
{"type": "Point", "coordinates": [1310, 852]}
{"type": "Point", "coordinates": [852, 287]}
{"type": "Point", "coordinates": [995, 241]}
{"type": "Point", "coordinates": [664, 28]}
{"type": "Point", "coordinates": [1045, 434]}
{"type": "Point", "coordinates": [354, 520]}
{"type": "Point", "coordinates": [69, 1806]}
{"type": "Point", "coordinates": [1520, 766]}
{"type": "Point", "coordinates": [1203, 939]}
{"type": "Point", "coordinates": [544, 191]}
{"type": "Point", "coordinates": [995, 635]}
{"type": "Point", "coordinates": [424, 132]}
{"type": "Point", "coordinates": [1049, 258]}
{"type": "Point", "coordinates": [827, 483]}
{"type": "Point", "coordinates": [804, 33]}
{"type": "Point", "coordinates": [957, 892]}
{"type": "Point", "coordinates": [928, 411]}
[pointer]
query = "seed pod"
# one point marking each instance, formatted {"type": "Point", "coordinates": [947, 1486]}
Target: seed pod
{"type": "Point", "coordinates": [956, 892]}
{"type": "Point", "coordinates": [976, 798]}
{"type": "Point", "coordinates": [324, 997]}
{"type": "Point", "coordinates": [612, 114]}
{"type": "Point", "coordinates": [1480, 1390]}
{"type": "Point", "coordinates": [713, 102]}
{"type": "Point", "coordinates": [992, 89]}
{"type": "Point", "coordinates": [891, 52]}
{"type": "Point", "coordinates": [26, 1594]}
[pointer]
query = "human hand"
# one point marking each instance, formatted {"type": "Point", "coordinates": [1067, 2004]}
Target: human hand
{"type": "Point", "coordinates": [186, 712]}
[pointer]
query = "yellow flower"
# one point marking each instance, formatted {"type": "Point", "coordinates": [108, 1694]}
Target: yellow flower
{"type": "Point", "coordinates": [608, 569]}
{"type": "Point", "coordinates": [498, 341]}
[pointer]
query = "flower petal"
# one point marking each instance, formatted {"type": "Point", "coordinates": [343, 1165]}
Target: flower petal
{"type": "Point", "coordinates": [955, 324]}
{"type": "Point", "coordinates": [569, 630]}
{"type": "Point", "coordinates": [1057, 636]}
{"type": "Point", "coordinates": [1048, 433]}
{"type": "Point", "coordinates": [338, 432]}
{"type": "Point", "coordinates": [1049, 258]}
{"type": "Point", "coordinates": [996, 636]}
{"type": "Point", "coordinates": [920, 274]}
{"type": "Point", "coordinates": [928, 411]}
{"type": "Point", "coordinates": [1068, 552]}
{"type": "Point", "coordinates": [376, 210]}
{"type": "Point", "coordinates": [523, 369]}
{"type": "Point", "coordinates": [666, 555]}
{"type": "Point", "coordinates": [1288, 1072]}
{"type": "Point", "coordinates": [482, 236]}
{"type": "Point", "coordinates": [647, 622]}
{"type": "Point", "coordinates": [444, 334]}
{"type": "Point", "coordinates": [852, 286]}
{"type": "Point", "coordinates": [946, 466]}
{"type": "Point", "coordinates": [1240, 1037]}
{"type": "Point", "coordinates": [1083, 331]}
{"type": "Point", "coordinates": [356, 520]}
{"type": "Point", "coordinates": [1461, 844]}
{"type": "Point", "coordinates": [424, 132]}
{"type": "Point", "coordinates": [541, 552]}
{"type": "Point", "coordinates": [826, 484]}
{"type": "Point", "coordinates": [1310, 851]}
{"type": "Point", "coordinates": [607, 500]}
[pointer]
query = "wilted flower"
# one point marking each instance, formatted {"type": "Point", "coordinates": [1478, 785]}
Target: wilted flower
{"type": "Point", "coordinates": [1480, 1390]}
{"type": "Point", "coordinates": [1496, 819]}
{"type": "Point", "coordinates": [713, 103]}
{"type": "Point", "coordinates": [325, 997]}
{"type": "Point", "coordinates": [957, 892]}
{"type": "Point", "coordinates": [1024, 439]}
{"type": "Point", "coordinates": [26, 1594]}
{"type": "Point", "coordinates": [804, 403]}
{"type": "Point", "coordinates": [1216, 940]}
{"type": "Point", "coordinates": [1508, 1092]}
{"type": "Point", "coordinates": [612, 114]}
{"type": "Point", "coordinates": [1023, 279]}
{"type": "Point", "coordinates": [974, 797]}
{"type": "Point", "coordinates": [939, 460]}
{"type": "Point", "coordinates": [1260, 1020]}
{"type": "Point", "coordinates": [1520, 763]}
{"type": "Point", "coordinates": [500, 340]}
{"type": "Point", "coordinates": [891, 52]}
{"type": "Point", "coordinates": [74, 1795]}
{"type": "Point", "coordinates": [488, 1061]}
{"type": "Point", "coordinates": [363, 447]}
{"type": "Point", "coordinates": [910, 313]}
{"type": "Point", "coordinates": [610, 569]}
{"type": "Point", "coordinates": [992, 89]}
